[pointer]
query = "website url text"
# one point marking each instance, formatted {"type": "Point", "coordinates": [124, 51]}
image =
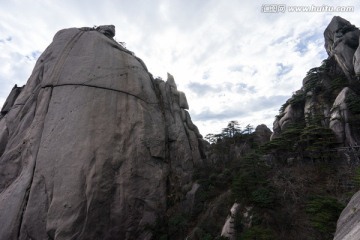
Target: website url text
{"type": "Point", "coordinates": [282, 8]}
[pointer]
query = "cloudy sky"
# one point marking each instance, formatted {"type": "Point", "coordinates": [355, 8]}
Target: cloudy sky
{"type": "Point", "coordinates": [233, 61]}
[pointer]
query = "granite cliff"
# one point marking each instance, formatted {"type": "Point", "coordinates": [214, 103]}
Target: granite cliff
{"type": "Point", "coordinates": [93, 147]}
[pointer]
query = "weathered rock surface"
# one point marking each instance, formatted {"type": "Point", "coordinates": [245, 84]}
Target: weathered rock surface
{"type": "Point", "coordinates": [348, 225]}
{"type": "Point", "coordinates": [340, 120]}
{"type": "Point", "coordinates": [229, 226]}
{"type": "Point", "coordinates": [192, 200]}
{"type": "Point", "coordinates": [291, 114]}
{"type": "Point", "coordinates": [11, 99]}
{"type": "Point", "coordinates": [216, 211]}
{"type": "Point", "coordinates": [356, 62]}
{"type": "Point", "coordinates": [93, 147]}
{"type": "Point", "coordinates": [341, 41]}
{"type": "Point", "coordinates": [262, 134]}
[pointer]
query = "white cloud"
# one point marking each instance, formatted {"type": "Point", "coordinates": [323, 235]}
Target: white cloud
{"type": "Point", "coordinates": [236, 59]}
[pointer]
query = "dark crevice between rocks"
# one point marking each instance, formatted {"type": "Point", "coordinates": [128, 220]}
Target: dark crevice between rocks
{"type": "Point", "coordinates": [202, 148]}
{"type": "Point", "coordinates": [164, 100]}
{"type": "Point", "coordinates": [27, 194]}
{"type": "Point", "coordinates": [19, 104]}
{"type": "Point", "coordinates": [187, 129]}
{"type": "Point", "coordinates": [161, 103]}
{"type": "Point", "coordinates": [25, 202]}
{"type": "Point", "coordinates": [35, 93]}
{"type": "Point", "coordinates": [3, 142]}
{"type": "Point", "coordinates": [121, 48]}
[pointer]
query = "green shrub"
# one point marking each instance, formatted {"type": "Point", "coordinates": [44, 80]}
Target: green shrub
{"type": "Point", "coordinates": [248, 180]}
{"type": "Point", "coordinates": [263, 197]}
{"type": "Point", "coordinates": [221, 238]}
{"type": "Point", "coordinates": [338, 83]}
{"type": "Point", "coordinates": [177, 225]}
{"type": "Point", "coordinates": [353, 103]}
{"type": "Point", "coordinates": [357, 177]}
{"type": "Point", "coordinates": [257, 233]}
{"type": "Point", "coordinates": [323, 213]}
{"type": "Point", "coordinates": [317, 140]}
{"type": "Point", "coordinates": [207, 236]}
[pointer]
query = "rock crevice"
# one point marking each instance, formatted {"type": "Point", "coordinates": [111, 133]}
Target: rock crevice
{"type": "Point", "coordinates": [100, 87]}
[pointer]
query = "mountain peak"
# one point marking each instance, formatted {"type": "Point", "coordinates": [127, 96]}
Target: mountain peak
{"type": "Point", "coordinates": [341, 41]}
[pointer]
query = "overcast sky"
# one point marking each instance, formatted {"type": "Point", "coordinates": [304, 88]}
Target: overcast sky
{"type": "Point", "coordinates": [233, 61]}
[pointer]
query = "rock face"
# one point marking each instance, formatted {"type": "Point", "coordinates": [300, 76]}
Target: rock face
{"type": "Point", "coordinates": [262, 134]}
{"type": "Point", "coordinates": [228, 228]}
{"type": "Point", "coordinates": [93, 147]}
{"type": "Point", "coordinates": [11, 99]}
{"type": "Point", "coordinates": [290, 115]}
{"type": "Point", "coordinates": [348, 227]}
{"type": "Point", "coordinates": [340, 119]}
{"type": "Point", "coordinates": [341, 41]}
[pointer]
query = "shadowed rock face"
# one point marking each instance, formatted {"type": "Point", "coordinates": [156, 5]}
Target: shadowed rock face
{"type": "Point", "coordinates": [262, 134]}
{"type": "Point", "coordinates": [11, 99]}
{"type": "Point", "coordinates": [341, 41]}
{"type": "Point", "coordinates": [348, 227]}
{"type": "Point", "coordinates": [93, 146]}
{"type": "Point", "coordinates": [291, 115]}
{"type": "Point", "coordinates": [340, 119]}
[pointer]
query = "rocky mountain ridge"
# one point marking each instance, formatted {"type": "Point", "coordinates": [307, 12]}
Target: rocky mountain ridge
{"type": "Point", "coordinates": [327, 90]}
{"type": "Point", "coordinates": [329, 98]}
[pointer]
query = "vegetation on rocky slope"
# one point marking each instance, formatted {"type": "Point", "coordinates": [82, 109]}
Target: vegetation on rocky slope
{"type": "Point", "coordinates": [292, 187]}
{"type": "Point", "coordinates": [295, 187]}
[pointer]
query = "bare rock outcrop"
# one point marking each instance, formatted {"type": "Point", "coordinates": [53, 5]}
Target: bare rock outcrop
{"type": "Point", "coordinates": [340, 120]}
{"type": "Point", "coordinates": [348, 227]}
{"type": "Point", "coordinates": [290, 115]}
{"type": "Point", "coordinates": [15, 92]}
{"type": "Point", "coordinates": [262, 134]}
{"type": "Point", "coordinates": [341, 41]}
{"type": "Point", "coordinates": [228, 228]}
{"type": "Point", "coordinates": [93, 147]}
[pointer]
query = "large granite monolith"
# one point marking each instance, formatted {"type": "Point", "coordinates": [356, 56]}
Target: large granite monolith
{"type": "Point", "coordinates": [93, 147]}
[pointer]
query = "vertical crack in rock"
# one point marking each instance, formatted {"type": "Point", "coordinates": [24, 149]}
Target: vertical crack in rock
{"type": "Point", "coordinates": [61, 61]}
{"type": "Point", "coordinates": [27, 194]}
